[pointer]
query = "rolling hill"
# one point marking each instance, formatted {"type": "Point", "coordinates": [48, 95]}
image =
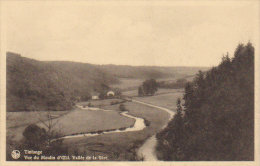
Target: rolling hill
{"type": "Point", "coordinates": [56, 85]}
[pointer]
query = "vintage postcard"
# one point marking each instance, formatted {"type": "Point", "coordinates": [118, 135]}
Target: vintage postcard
{"type": "Point", "coordinates": [129, 82]}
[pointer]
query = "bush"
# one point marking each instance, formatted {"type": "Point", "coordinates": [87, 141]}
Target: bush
{"type": "Point", "coordinates": [122, 107]}
{"type": "Point", "coordinates": [147, 122]}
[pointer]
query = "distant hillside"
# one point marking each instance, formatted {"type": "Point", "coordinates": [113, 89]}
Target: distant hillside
{"type": "Point", "coordinates": [156, 72]}
{"type": "Point", "coordinates": [37, 85]}
{"type": "Point", "coordinates": [55, 85]}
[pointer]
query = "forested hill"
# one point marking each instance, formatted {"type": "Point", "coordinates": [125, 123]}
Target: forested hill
{"type": "Point", "coordinates": [55, 85]}
{"type": "Point", "coordinates": [217, 121]}
{"type": "Point", "coordinates": [146, 72]}
{"type": "Point", "coordinates": [36, 85]}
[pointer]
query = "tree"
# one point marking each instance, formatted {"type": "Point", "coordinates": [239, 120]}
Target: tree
{"type": "Point", "coordinates": [45, 138]}
{"type": "Point", "coordinates": [49, 124]}
{"type": "Point", "coordinates": [38, 138]}
{"type": "Point", "coordinates": [35, 137]}
{"type": "Point", "coordinates": [217, 122]}
{"type": "Point", "coordinates": [140, 91]}
{"type": "Point", "coordinates": [122, 107]}
{"type": "Point", "coordinates": [117, 92]}
{"type": "Point", "coordinates": [150, 87]}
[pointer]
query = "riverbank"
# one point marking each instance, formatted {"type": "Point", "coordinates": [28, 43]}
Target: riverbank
{"type": "Point", "coordinates": [138, 125]}
{"type": "Point", "coordinates": [148, 150]}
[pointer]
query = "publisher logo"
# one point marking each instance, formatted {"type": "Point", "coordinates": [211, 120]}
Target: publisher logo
{"type": "Point", "coordinates": [15, 154]}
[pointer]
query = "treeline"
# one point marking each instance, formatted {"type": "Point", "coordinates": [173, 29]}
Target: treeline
{"type": "Point", "coordinates": [180, 83]}
{"type": "Point", "coordinates": [216, 121]}
{"type": "Point", "coordinates": [147, 72]}
{"type": "Point", "coordinates": [149, 87]}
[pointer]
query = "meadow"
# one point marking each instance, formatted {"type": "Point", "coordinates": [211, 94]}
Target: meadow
{"type": "Point", "coordinates": [16, 122]}
{"type": "Point", "coordinates": [100, 103]}
{"type": "Point", "coordinates": [134, 93]}
{"type": "Point", "coordinates": [164, 98]}
{"type": "Point", "coordinates": [82, 121]}
{"type": "Point", "coordinates": [76, 121]}
{"type": "Point", "coordinates": [116, 146]}
{"type": "Point", "coordinates": [17, 119]}
{"type": "Point", "coordinates": [123, 146]}
{"type": "Point", "coordinates": [128, 83]}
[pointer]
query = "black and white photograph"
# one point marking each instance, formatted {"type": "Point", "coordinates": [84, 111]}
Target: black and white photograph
{"type": "Point", "coordinates": [129, 81]}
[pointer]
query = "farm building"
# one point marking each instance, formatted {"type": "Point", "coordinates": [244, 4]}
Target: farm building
{"type": "Point", "coordinates": [95, 96]}
{"type": "Point", "coordinates": [110, 93]}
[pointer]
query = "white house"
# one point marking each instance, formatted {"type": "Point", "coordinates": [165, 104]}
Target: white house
{"type": "Point", "coordinates": [110, 93]}
{"type": "Point", "coordinates": [95, 96]}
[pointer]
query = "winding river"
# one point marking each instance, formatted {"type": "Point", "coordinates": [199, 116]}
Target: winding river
{"type": "Point", "coordinates": [138, 125]}
{"type": "Point", "coordinates": [147, 150]}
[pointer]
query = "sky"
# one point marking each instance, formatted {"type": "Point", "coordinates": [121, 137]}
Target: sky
{"type": "Point", "coordinates": [129, 33]}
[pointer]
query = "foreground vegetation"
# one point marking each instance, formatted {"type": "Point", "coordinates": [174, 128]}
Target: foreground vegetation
{"type": "Point", "coordinates": [217, 122]}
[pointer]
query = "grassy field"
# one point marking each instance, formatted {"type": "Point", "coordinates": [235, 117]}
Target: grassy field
{"type": "Point", "coordinates": [16, 122]}
{"type": "Point", "coordinates": [17, 119]}
{"type": "Point", "coordinates": [167, 100]}
{"type": "Point", "coordinates": [122, 146]}
{"type": "Point", "coordinates": [119, 146]}
{"type": "Point", "coordinates": [116, 146]}
{"type": "Point", "coordinates": [76, 121]}
{"type": "Point", "coordinates": [134, 93]}
{"type": "Point", "coordinates": [100, 103]}
{"type": "Point", "coordinates": [82, 121]}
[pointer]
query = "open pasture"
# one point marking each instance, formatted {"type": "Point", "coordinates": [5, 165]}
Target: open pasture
{"type": "Point", "coordinates": [121, 146]}
{"type": "Point", "coordinates": [16, 122]}
{"type": "Point", "coordinates": [100, 103]}
{"type": "Point", "coordinates": [82, 121]}
{"type": "Point", "coordinates": [128, 83]}
{"type": "Point", "coordinates": [134, 93]}
{"type": "Point", "coordinates": [77, 121]}
{"type": "Point", "coordinates": [17, 119]}
{"type": "Point", "coordinates": [167, 100]}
